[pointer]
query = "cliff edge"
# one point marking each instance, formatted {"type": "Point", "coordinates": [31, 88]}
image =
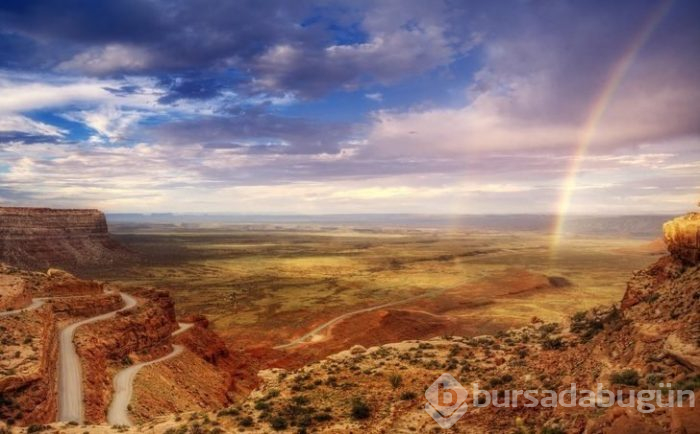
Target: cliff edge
{"type": "Point", "coordinates": [682, 236]}
{"type": "Point", "coordinates": [38, 238]}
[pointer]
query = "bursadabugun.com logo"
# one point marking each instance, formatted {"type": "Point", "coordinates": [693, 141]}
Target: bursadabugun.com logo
{"type": "Point", "coordinates": [448, 400]}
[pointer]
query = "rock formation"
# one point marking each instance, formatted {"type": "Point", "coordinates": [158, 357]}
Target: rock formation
{"type": "Point", "coordinates": [203, 374]}
{"type": "Point", "coordinates": [38, 238]}
{"type": "Point", "coordinates": [682, 236]}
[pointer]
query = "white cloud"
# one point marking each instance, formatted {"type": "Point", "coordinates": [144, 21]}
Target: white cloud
{"type": "Point", "coordinates": [23, 124]}
{"type": "Point", "coordinates": [378, 97]}
{"type": "Point", "coordinates": [18, 97]}
{"type": "Point", "coordinates": [109, 121]}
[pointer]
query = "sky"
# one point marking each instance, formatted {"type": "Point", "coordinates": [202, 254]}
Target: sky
{"type": "Point", "coordinates": [324, 107]}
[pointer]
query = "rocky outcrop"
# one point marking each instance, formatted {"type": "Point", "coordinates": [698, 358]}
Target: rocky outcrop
{"type": "Point", "coordinates": [682, 237]}
{"type": "Point", "coordinates": [13, 293]}
{"type": "Point", "coordinates": [202, 376]}
{"type": "Point", "coordinates": [38, 238]}
{"type": "Point", "coordinates": [86, 306]}
{"type": "Point", "coordinates": [29, 395]}
{"type": "Point", "coordinates": [112, 342]}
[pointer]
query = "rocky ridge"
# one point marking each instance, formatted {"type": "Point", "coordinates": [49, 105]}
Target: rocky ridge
{"type": "Point", "coordinates": [38, 238]}
{"type": "Point", "coordinates": [29, 350]}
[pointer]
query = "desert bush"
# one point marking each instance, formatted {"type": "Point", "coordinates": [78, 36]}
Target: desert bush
{"type": "Point", "coordinates": [547, 329]}
{"type": "Point", "coordinates": [395, 380]}
{"type": "Point", "coordinates": [300, 400]}
{"type": "Point", "coordinates": [278, 423]}
{"type": "Point", "coordinates": [323, 417]}
{"type": "Point", "coordinates": [553, 343]}
{"type": "Point", "coordinates": [246, 421]}
{"type": "Point", "coordinates": [179, 430]}
{"type": "Point", "coordinates": [359, 410]}
{"type": "Point", "coordinates": [628, 377]}
{"type": "Point", "coordinates": [262, 405]}
{"type": "Point", "coordinates": [688, 383]}
{"type": "Point", "coordinates": [408, 395]}
{"type": "Point", "coordinates": [272, 393]}
{"type": "Point", "coordinates": [654, 379]}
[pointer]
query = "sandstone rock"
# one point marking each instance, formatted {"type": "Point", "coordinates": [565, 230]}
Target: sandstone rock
{"type": "Point", "coordinates": [37, 238]}
{"type": "Point", "coordinates": [682, 237]}
{"type": "Point", "coordinates": [357, 349]}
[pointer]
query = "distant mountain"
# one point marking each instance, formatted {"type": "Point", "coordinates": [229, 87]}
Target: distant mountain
{"type": "Point", "coordinates": [636, 226]}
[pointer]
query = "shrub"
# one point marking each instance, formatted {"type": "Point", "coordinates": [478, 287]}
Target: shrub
{"type": "Point", "coordinates": [395, 380]}
{"type": "Point", "coordinates": [278, 423]}
{"type": "Point", "coordinates": [228, 412]}
{"type": "Point", "coordinates": [360, 410]}
{"type": "Point", "coordinates": [553, 343]}
{"type": "Point", "coordinates": [300, 400]}
{"type": "Point", "coordinates": [688, 383]}
{"type": "Point", "coordinates": [246, 421]}
{"type": "Point", "coordinates": [408, 396]}
{"type": "Point", "coordinates": [654, 379]}
{"type": "Point", "coordinates": [262, 405]}
{"type": "Point", "coordinates": [323, 417]}
{"type": "Point", "coordinates": [628, 377]}
{"type": "Point", "coordinates": [548, 328]}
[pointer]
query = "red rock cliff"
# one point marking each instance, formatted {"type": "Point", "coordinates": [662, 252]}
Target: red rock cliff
{"type": "Point", "coordinates": [37, 238]}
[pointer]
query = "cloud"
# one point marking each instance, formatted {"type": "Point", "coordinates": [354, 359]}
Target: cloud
{"type": "Point", "coordinates": [113, 57]}
{"type": "Point", "coordinates": [18, 96]}
{"type": "Point", "coordinates": [108, 121]}
{"type": "Point", "coordinates": [262, 106]}
{"type": "Point", "coordinates": [277, 46]}
{"type": "Point", "coordinates": [403, 39]}
{"type": "Point", "coordinates": [26, 125]}
{"type": "Point", "coordinates": [253, 131]}
{"type": "Point", "coordinates": [539, 84]}
{"type": "Point", "coordinates": [378, 97]}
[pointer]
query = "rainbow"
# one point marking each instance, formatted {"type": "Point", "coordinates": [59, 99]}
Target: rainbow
{"type": "Point", "coordinates": [596, 113]}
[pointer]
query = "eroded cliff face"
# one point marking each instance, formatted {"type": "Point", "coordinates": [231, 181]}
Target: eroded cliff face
{"type": "Point", "coordinates": [104, 345]}
{"type": "Point", "coordinates": [28, 357]}
{"type": "Point", "coordinates": [38, 238]}
{"type": "Point", "coordinates": [29, 348]}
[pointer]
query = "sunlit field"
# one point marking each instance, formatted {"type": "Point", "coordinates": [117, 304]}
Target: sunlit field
{"type": "Point", "coordinates": [271, 283]}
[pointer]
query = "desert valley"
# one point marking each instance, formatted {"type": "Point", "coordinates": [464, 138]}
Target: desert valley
{"type": "Point", "coordinates": [288, 328]}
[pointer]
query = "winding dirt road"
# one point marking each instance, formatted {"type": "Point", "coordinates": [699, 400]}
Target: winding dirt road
{"type": "Point", "coordinates": [118, 413]}
{"type": "Point", "coordinates": [36, 304]}
{"type": "Point", "coordinates": [70, 380]}
{"type": "Point", "coordinates": [308, 337]}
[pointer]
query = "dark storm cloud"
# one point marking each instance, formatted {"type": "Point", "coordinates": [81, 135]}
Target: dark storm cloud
{"type": "Point", "coordinates": [282, 46]}
{"type": "Point", "coordinates": [196, 86]}
{"type": "Point", "coordinates": [174, 35]}
{"type": "Point", "coordinates": [27, 138]}
{"type": "Point", "coordinates": [123, 90]}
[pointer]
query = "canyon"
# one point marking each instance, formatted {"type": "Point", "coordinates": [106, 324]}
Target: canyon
{"type": "Point", "coordinates": [143, 367]}
{"type": "Point", "coordinates": [60, 353]}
